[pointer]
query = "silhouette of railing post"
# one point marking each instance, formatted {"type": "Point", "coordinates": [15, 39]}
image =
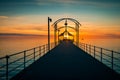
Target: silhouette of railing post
{"type": "Point", "coordinates": [39, 51]}
{"type": "Point", "coordinates": [86, 47]}
{"type": "Point", "coordinates": [7, 62]}
{"type": "Point", "coordinates": [90, 49]}
{"type": "Point", "coordinates": [112, 59]}
{"type": "Point", "coordinates": [24, 59]}
{"type": "Point", "coordinates": [80, 46]}
{"type": "Point", "coordinates": [34, 54]}
{"type": "Point", "coordinates": [101, 54]}
{"type": "Point", "coordinates": [46, 47]}
{"type": "Point", "coordinates": [94, 52]}
{"type": "Point", "coordinates": [43, 49]}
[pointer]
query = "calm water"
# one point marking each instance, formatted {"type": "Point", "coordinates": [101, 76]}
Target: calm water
{"type": "Point", "coordinates": [112, 44]}
{"type": "Point", "coordinates": [13, 44]}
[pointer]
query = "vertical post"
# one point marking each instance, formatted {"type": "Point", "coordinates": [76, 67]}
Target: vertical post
{"type": "Point", "coordinates": [55, 37]}
{"type": "Point", "coordinates": [78, 34]}
{"type": "Point", "coordinates": [50, 46]}
{"type": "Point", "coordinates": [46, 48]}
{"type": "Point", "coordinates": [7, 57]}
{"type": "Point", "coordinates": [49, 20]}
{"type": "Point", "coordinates": [43, 49]}
{"type": "Point", "coordinates": [48, 35]}
{"type": "Point", "coordinates": [24, 59]}
{"type": "Point", "coordinates": [34, 54]}
{"type": "Point", "coordinates": [80, 45]}
{"type": "Point", "coordinates": [39, 51]}
{"type": "Point", "coordinates": [58, 35]}
{"type": "Point", "coordinates": [90, 49]}
{"type": "Point", "coordinates": [86, 47]}
{"type": "Point", "coordinates": [94, 51]}
{"type": "Point", "coordinates": [112, 59]}
{"type": "Point", "coordinates": [101, 54]}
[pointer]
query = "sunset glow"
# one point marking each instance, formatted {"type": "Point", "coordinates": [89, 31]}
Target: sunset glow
{"type": "Point", "coordinates": [99, 19]}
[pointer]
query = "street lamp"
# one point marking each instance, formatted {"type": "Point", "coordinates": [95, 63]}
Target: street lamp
{"type": "Point", "coordinates": [49, 20]}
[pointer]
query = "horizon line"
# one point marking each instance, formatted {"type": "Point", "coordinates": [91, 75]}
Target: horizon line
{"type": "Point", "coordinates": [19, 34]}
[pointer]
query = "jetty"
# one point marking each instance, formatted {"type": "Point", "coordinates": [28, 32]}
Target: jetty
{"type": "Point", "coordinates": [64, 59]}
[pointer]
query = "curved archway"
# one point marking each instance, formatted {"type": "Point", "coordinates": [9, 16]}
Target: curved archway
{"type": "Point", "coordinates": [76, 28]}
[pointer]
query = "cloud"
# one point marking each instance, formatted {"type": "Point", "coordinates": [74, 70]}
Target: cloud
{"type": "Point", "coordinates": [3, 17]}
{"type": "Point", "coordinates": [24, 29]}
{"type": "Point", "coordinates": [31, 27]}
{"type": "Point", "coordinates": [112, 35]}
{"type": "Point", "coordinates": [18, 34]}
{"type": "Point", "coordinates": [100, 3]}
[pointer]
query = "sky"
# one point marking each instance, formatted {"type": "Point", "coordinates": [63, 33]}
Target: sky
{"type": "Point", "coordinates": [99, 18]}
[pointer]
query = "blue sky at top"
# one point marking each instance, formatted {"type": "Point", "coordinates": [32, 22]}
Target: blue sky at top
{"type": "Point", "coordinates": [21, 7]}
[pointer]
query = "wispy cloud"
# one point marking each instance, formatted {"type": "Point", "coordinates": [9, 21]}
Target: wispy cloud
{"type": "Point", "coordinates": [18, 34]}
{"type": "Point", "coordinates": [3, 17]}
{"type": "Point", "coordinates": [100, 3]}
{"type": "Point", "coordinates": [31, 27]}
{"type": "Point", "coordinates": [112, 35]}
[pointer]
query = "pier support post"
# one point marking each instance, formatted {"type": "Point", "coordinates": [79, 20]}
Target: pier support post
{"type": "Point", "coordinates": [34, 54]}
{"type": "Point", "coordinates": [112, 59]}
{"type": "Point", "coordinates": [94, 51]}
{"type": "Point", "coordinates": [101, 55]}
{"type": "Point", "coordinates": [7, 57]}
{"type": "Point", "coordinates": [24, 59]}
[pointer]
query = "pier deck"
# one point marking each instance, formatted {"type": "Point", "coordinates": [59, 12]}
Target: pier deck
{"type": "Point", "coordinates": [67, 62]}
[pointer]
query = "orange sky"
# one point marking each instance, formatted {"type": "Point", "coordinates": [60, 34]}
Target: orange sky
{"type": "Point", "coordinates": [37, 24]}
{"type": "Point", "coordinates": [99, 19]}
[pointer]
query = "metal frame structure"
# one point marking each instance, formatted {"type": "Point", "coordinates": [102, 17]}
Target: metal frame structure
{"type": "Point", "coordinates": [77, 24]}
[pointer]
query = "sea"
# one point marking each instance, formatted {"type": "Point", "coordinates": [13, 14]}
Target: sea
{"type": "Point", "coordinates": [13, 44]}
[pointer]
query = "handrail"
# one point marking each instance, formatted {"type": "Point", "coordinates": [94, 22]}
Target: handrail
{"type": "Point", "coordinates": [102, 54]}
{"type": "Point", "coordinates": [25, 58]}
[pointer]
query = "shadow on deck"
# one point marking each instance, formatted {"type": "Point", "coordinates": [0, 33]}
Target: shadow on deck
{"type": "Point", "coordinates": [67, 62]}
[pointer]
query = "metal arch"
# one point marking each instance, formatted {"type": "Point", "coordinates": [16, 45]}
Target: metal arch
{"type": "Point", "coordinates": [59, 20]}
{"type": "Point", "coordinates": [67, 26]}
{"type": "Point", "coordinates": [65, 19]}
{"type": "Point", "coordinates": [77, 24]}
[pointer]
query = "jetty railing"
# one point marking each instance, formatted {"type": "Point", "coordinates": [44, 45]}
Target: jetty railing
{"type": "Point", "coordinates": [108, 57]}
{"type": "Point", "coordinates": [12, 64]}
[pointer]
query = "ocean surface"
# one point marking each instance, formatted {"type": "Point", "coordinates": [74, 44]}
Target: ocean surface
{"type": "Point", "coordinates": [14, 44]}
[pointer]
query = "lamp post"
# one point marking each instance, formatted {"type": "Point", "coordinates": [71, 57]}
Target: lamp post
{"type": "Point", "coordinates": [49, 20]}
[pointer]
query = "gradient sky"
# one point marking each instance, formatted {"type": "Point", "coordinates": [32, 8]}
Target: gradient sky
{"type": "Point", "coordinates": [99, 18]}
